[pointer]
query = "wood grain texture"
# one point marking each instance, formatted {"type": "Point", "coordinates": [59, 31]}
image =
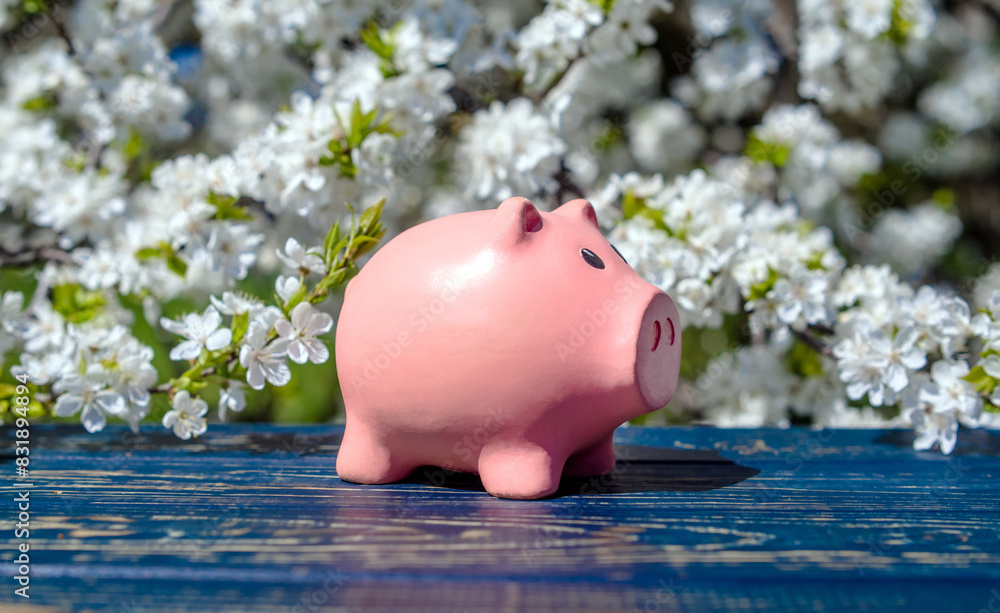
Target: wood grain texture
{"type": "Point", "coordinates": [253, 518]}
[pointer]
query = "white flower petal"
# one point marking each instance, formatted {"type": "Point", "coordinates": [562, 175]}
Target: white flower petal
{"type": "Point", "coordinates": [949, 437]}
{"type": "Point", "coordinates": [174, 327]}
{"type": "Point", "coordinates": [111, 402]}
{"type": "Point", "coordinates": [319, 323]}
{"type": "Point", "coordinates": [68, 404]}
{"type": "Point", "coordinates": [297, 352]}
{"type": "Point", "coordinates": [992, 366]}
{"type": "Point", "coordinates": [93, 418]}
{"type": "Point", "coordinates": [187, 350]}
{"type": "Point", "coordinates": [284, 329]}
{"type": "Point", "coordinates": [277, 373]}
{"type": "Point", "coordinates": [255, 376]}
{"type": "Point", "coordinates": [170, 419]}
{"type": "Point", "coordinates": [212, 319]}
{"type": "Point", "coordinates": [139, 397]}
{"type": "Point", "coordinates": [318, 353]}
{"type": "Point", "coordinates": [219, 339]}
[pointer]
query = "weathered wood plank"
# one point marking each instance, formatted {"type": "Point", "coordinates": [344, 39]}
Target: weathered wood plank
{"type": "Point", "coordinates": [253, 518]}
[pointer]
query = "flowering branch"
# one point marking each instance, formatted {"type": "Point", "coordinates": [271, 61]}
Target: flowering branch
{"type": "Point", "coordinates": [260, 338]}
{"type": "Point", "coordinates": [116, 378]}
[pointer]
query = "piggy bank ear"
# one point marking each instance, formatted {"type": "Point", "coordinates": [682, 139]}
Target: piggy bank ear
{"type": "Point", "coordinates": [517, 218]}
{"type": "Point", "coordinates": [578, 208]}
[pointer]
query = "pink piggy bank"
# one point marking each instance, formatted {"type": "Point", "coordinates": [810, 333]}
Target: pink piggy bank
{"type": "Point", "coordinates": [507, 343]}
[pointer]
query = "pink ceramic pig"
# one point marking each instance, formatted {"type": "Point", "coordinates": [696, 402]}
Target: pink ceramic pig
{"type": "Point", "coordinates": [507, 343]}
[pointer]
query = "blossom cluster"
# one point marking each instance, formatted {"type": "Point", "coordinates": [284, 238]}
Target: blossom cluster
{"type": "Point", "coordinates": [91, 365]}
{"type": "Point", "coordinates": [811, 181]}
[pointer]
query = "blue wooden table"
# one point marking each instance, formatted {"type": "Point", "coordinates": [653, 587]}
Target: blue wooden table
{"type": "Point", "coordinates": [253, 518]}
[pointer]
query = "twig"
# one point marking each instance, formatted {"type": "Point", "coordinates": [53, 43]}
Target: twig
{"type": "Point", "coordinates": [166, 388]}
{"type": "Point", "coordinates": [566, 184]}
{"type": "Point", "coordinates": [34, 256]}
{"type": "Point", "coordinates": [812, 342]}
{"type": "Point", "coordinates": [64, 34]}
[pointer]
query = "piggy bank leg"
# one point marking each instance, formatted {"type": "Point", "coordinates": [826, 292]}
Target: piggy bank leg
{"type": "Point", "coordinates": [597, 460]}
{"type": "Point", "coordinates": [364, 459]}
{"type": "Point", "coordinates": [522, 471]}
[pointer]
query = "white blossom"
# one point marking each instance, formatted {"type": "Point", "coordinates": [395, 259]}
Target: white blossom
{"type": "Point", "coordinates": [933, 427]}
{"type": "Point", "coordinates": [301, 334]}
{"type": "Point", "coordinates": [232, 397]}
{"type": "Point", "coordinates": [951, 393]}
{"type": "Point", "coordinates": [264, 359]}
{"type": "Point", "coordinates": [872, 363]}
{"type": "Point", "coordinates": [508, 150]}
{"type": "Point", "coordinates": [202, 332]}
{"type": "Point", "coordinates": [801, 297]}
{"type": "Point", "coordinates": [296, 257]}
{"type": "Point", "coordinates": [286, 287]}
{"type": "Point", "coordinates": [133, 381]}
{"type": "Point", "coordinates": [186, 416]}
{"type": "Point", "coordinates": [89, 395]}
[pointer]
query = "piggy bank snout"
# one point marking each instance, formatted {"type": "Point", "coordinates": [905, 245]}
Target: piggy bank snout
{"type": "Point", "coordinates": [658, 350]}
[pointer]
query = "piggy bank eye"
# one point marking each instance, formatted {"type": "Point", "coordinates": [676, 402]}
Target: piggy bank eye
{"type": "Point", "coordinates": [619, 253]}
{"type": "Point", "coordinates": [591, 258]}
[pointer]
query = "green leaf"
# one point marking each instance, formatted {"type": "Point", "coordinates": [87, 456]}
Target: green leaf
{"type": "Point", "coordinates": [347, 167]}
{"type": "Point", "coordinates": [944, 198]}
{"type": "Point", "coordinates": [360, 123]}
{"type": "Point", "coordinates": [639, 421]}
{"type": "Point", "coordinates": [76, 304]}
{"type": "Point", "coordinates": [364, 244]}
{"type": "Point", "coordinates": [34, 6]}
{"type": "Point", "coordinates": [331, 239]}
{"type": "Point", "coordinates": [804, 361]}
{"type": "Point", "coordinates": [333, 280]}
{"type": "Point", "coordinates": [45, 102]}
{"type": "Point", "coordinates": [134, 146]}
{"type": "Point", "coordinates": [176, 264]}
{"type": "Point", "coordinates": [239, 327]}
{"type": "Point", "coordinates": [982, 382]}
{"type": "Point", "coordinates": [294, 299]}
{"type": "Point", "coordinates": [62, 298]}
{"type": "Point", "coordinates": [35, 409]}
{"type": "Point", "coordinates": [371, 37]}
{"type": "Point", "coordinates": [760, 290]}
{"type": "Point", "coordinates": [899, 27]}
{"type": "Point", "coordinates": [370, 218]}
{"type": "Point", "coordinates": [226, 207]}
{"type": "Point", "coordinates": [762, 151]}
{"type": "Point", "coordinates": [147, 253]}
{"type": "Point", "coordinates": [815, 262]}
{"type": "Point", "coordinates": [604, 5]}
{"type": "Point", "coordinates": [631, 205]}
{"type": "Point", "coordinates": [383, 127]}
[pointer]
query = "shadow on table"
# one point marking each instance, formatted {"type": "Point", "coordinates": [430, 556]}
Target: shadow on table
{"type": "Point", "coordinates": [970, 442]}
{"type": "Point", "coordinates": [639, 469]}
